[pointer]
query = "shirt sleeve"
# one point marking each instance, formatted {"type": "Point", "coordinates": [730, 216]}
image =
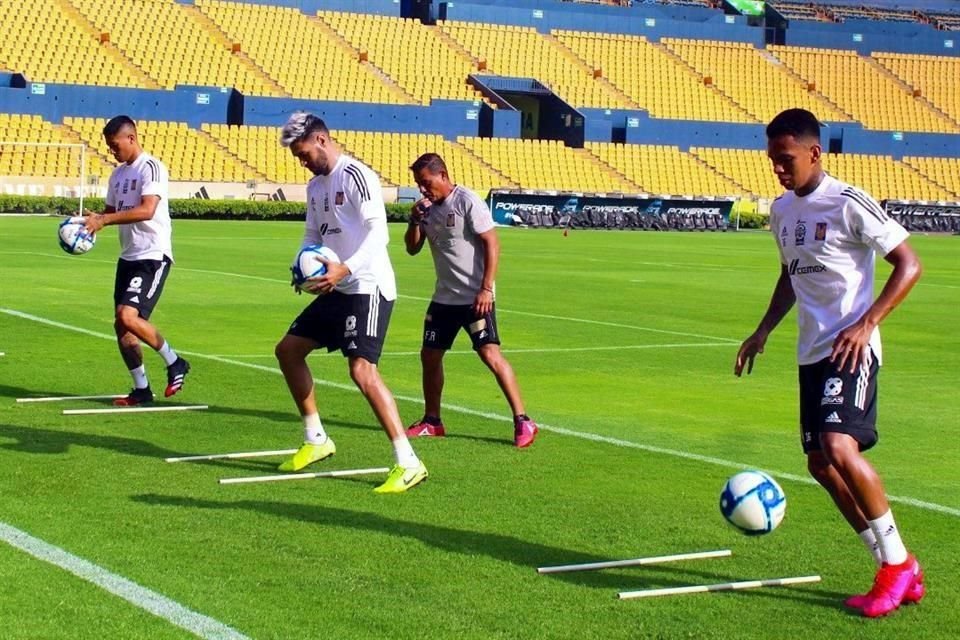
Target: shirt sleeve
{"type": "Point", "coordinates": [870, 224]}
{"type": "Point", "coordinates": [155, 179]}
{"type": "Point", "coordinates": [111, 199]}
{"type": "Point", "coordinates": [775, 232]}
{"type": "Point", "coordinates": [311, 232]}
{"type": "Point", "coordinates": [477, 216]}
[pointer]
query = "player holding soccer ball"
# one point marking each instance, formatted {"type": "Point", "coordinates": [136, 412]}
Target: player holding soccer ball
{"type": "Point", "coordinates": [137, 201]}
{"type": "Point", "coordinates": [466, 252]}
{"type": "Point", "coordinates": [345, 211]}
{"type": "Point", "coordinates": [828, 234]}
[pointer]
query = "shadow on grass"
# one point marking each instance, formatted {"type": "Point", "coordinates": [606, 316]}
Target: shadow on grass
{"type": "Point", "coordinates": [514, 550]}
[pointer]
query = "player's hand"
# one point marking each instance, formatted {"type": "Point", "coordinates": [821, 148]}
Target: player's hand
{"type": "Point", "coordinates": [93, 221]}
{"type": "Point", "coordinates": [850, 345]}
{"type": "Point", "coordinates": [419, 211]}
{"type": "Point", "coordinates": [483, 303]}
{"type": "Point", "coordinates": [326, 283]}
{"type": "Point", "coordinates": [748, 351]}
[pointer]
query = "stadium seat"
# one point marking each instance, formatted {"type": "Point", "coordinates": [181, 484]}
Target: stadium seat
{"type": "Point", "coordinates": [663, 169]}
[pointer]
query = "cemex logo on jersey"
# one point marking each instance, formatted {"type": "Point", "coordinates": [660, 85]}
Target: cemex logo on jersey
{"type": "Point", "coordinates": [796, 270]}
{"type": "Point", "coordinates": [325, 229]}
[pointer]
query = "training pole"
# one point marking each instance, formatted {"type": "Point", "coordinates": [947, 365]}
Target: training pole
{"type": "Point", "coordinates": [724, 586]}
{"type": "Point", "coordinates": [80, 412]}
{"type": "Point", "coordinates": [61, 398]}
{"type": "Point", "coordinates": [636, 562]}
{"type": "Point", "coordinates": [232, 456]}
{"type": "Point", "coordinates": [305, 476]}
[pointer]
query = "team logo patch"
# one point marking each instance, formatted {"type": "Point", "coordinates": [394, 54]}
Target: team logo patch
{"type": "Point", "coordinates": [451, 219]}
{"type": "Point", "coordinates": [126, 186]}
{"type": "Point", "coordinates": [351, 323]}
{"type": "Point", "coordinates": [799, 233]}
{"type": "Point", "coordinates": [821, 233]}
{"type": "Point", "coordinates": [133, 185]}
{"type": "Point", "coordinates": [338, 200]}
{"type": "Point", "coordinates": [832, 387]}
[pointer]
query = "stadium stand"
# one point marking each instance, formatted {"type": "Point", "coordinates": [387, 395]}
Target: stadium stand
{"type": "Point", "coordinates": [944, 172]}
{"type": "Point", "coordinates": [861, 88]}
{"type": "Point", "coordinates": [749, 168]}
{"type": "Point", "coordinates": [259, 147]}
{"type": "Point", "coordinates": [883, 177]}
{"type": "Point", "coordinates": [934, 78]}
{"type": "Point", "coordinates": [43, 159]}
{"type": "Point", "coordinates": [303, 54]}
{"type": "Point", "coordinates": [664, 169]}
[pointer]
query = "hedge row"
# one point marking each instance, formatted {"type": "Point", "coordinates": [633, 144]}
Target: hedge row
{"type": "Point", "coordinates": [187, 208]}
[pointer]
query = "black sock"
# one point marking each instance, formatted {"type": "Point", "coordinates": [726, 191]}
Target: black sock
{"type": "Point", "coordinates": [432, 420]}
{"type": "Point", "coordinates": [520, 418]}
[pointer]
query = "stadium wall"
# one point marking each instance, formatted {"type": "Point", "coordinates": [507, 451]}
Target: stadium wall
{"type": "Point", "coordinates": [310, 7]}
{"type": "Point", "coordinates": [911, 39]}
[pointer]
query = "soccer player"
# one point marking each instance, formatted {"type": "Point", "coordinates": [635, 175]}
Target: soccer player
{"type": "Point", "coordinates": [354, 300]}
{"type": "Point", "coordinates": [137, 201]}
{"type": "Point", "coordinates": [466, 252]}
{"type": "Point", "coordinates": [828, 234]}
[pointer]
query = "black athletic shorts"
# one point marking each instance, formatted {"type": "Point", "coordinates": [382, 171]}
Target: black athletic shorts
{"type": "Point", "coordinates": [838, 401]}
{"type": "Point", "coordinates": [355, 323]}
{"type": "Point", "coordinates": [444, 321]}
{"type": "Point", "coordinates": [139, 284]}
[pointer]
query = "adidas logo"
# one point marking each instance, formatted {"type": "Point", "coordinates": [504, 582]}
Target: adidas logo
{"type": "Point", "coordinates": [833, 418]}
{"type": "Point", "coordinates": [135, 299]}
{"type": "Point", "coordinates": [352, 345]}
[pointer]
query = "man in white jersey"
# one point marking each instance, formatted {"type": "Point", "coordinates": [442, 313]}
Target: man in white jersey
{"type": "Point", "coordinates": [345, 211]}
{"type": "Point", "coordinates": [466, 253]}
{"type": "Point", "coordinates": [828, 234]}
{"type": "Point", "coordinates": [137, 200]}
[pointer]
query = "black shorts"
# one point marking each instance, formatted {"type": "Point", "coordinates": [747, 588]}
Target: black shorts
{"type": "Point", "coordinates": [838, 401]}
{"type": "Point", "coordinates": [444, 321]}
{"type": "Point", "coordinates": [139, 284]}
{"type": "Point", "coordinates": [356, 323]}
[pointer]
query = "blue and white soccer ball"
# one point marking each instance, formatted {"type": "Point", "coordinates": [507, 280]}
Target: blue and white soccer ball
{"type": "Point", "coordinates": [74, 237]}
{"type": "Point", "coordinates": [308, 265]}
{"type": "Point", "coordinates": [753, 502]}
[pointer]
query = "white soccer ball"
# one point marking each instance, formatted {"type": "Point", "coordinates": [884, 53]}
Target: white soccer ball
{"type": "Point", "coordinates": [753, 502]}
{"type": "Point", "coordinates": [74, 238]}
{"type": "Point", "coordinates": [308, 265]}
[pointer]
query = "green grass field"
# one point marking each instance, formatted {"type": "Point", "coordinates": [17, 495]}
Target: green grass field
{"type": "Point", "coordinates": [623, 336]}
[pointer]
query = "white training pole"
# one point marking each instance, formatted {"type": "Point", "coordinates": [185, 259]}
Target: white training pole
{"type": "Point", "coordinates": [61, 398]}
{"type": "Point", "coordinates": [724, 586]}
{"type": "Point", "coordinates": [590, 566]}
{"type": "Point", "coordinates": [305, 476]}
{"type": "Point", "coordinates": [231, 456]}
{"type": "Point", "coordinates": [78, 412]}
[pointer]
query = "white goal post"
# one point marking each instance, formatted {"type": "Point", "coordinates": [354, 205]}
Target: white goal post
{"type": "Point", "coordinates": [44, 168]}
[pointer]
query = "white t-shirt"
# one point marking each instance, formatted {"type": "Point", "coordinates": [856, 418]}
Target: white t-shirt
{"type": "Point", "coordinates": [828, 240]}
{"type": "Point", "coordinates": [345, 211]}
{"type": "Point", "coordinates": [452, 228]}
{"type": "Point", "coordinates": [149, 239]}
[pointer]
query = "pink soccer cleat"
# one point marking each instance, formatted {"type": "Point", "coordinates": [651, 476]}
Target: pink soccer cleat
{"type": "Point", "coordinates": [423, 429]}
{"type": "Point", "coordinates": [524, 433]}
{"type": "Point", "coordinates": [891, 586]}
{"type": "Point", "coordinates": [913, 595]}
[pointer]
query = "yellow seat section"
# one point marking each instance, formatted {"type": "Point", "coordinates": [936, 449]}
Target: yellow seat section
{"type": "Point", "coordinates": [752, 79]}
{"type": "Point", "coordinates": [863, 90]}
{"type": "Point", "coordinates": [260, 148]}
{"type": "Point", "coordinates": [301, 53]}
{"type": "Point", "coordinates": [411, 53]}
{"type": "Point", "coordinates": [41, 41]}
{"type": "Point", "coordinates": [547, 164]}
{"type": "Point", "coordinates": [27, 148]}
{"type": "Point", "coordinates": [664, 169]}
{"type": "Point", "coordinates": [522, 52]}
{"type": "Point", "coordinates": [942, 171]}
{"type": "Point", "coordinates": [171, 45]}
{"type": "Point", "coordinates": [749, 168]}
{"type": "Point", "coordinates": [652, 78]}
{"type": "Point", "coordinates": [391, 154]}
{"type": "Point", "coordinates": [883, 177]}
{"type": "Point", "coordinates": [937, 78]}
{"type": "Point", "coordinates": [188, 155]}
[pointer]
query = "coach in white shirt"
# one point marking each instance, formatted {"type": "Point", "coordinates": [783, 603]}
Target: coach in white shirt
{"type": "Point", "coordinates": [828, 234]}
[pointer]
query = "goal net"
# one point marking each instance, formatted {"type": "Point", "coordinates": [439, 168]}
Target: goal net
{"type": "Point", "coordinates": [45, 169]}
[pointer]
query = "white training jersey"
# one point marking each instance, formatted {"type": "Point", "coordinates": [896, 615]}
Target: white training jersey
{"type": "Point", "coordinates": [453, 229]}
{"type": "Point", "coordinates": [828, 241]}
{"type": "Point", "coordinates": [344, 209]}
{"type": "Point", "coordinates": [148, 239]}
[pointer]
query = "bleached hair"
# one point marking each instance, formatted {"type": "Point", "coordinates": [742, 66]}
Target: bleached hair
{"type": "Point", "coordinates": [300, 125]}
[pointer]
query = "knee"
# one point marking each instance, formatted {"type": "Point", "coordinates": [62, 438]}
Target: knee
{"type": "Point", "coordinates": [431, 358]}
{"type": "Point", "coordinates": [840, 449]}
{"type": "Point", "coordinates": [286, 352]}
{"type": "Point", "coordinates": [491, 356]}
{"type": "Point", "coordinates": [820, 469]}
{"type": "Point", "coordinates": [124, 319]}
{"type": "Point", "coordinates": [363, 373]}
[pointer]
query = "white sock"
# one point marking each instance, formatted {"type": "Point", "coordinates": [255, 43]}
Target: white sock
{"type": "Point", "coordinates": [139, 376]}
{"type": "Point", "coordinates": [404, 454]}
{"type": "Point", "coordinates": [888, 539]}
{"type": "Point", "coordinates": [869, 539]}
{"type": "Point", "coordinates": [167, 353]}
{"type": "Point", "coordinates": [313, 430]}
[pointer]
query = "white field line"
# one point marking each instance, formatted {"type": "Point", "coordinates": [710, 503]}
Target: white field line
{"type": "Point", "coordinates": [583, 435]}
{"type": "Point", "coordinates": [196, 623]}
